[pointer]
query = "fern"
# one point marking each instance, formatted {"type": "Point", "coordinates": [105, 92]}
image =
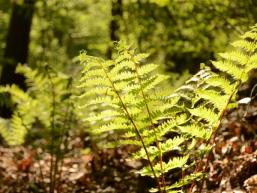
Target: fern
{"type": "Point", "coordinates": [35, 104]}
{"type": "Point", "coordinates": [47, 103]}
{"type": "Point", "coordinates": [15, 130]}
{"type": "Point", "coordinates": [126, 92]}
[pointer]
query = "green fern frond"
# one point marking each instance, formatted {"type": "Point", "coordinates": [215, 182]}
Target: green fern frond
{"type": "Point", "coordinates": [177, 162]}
{"type": "Point", "coordinates": [34, 79]}
{"type": "Point", "coordinates": [13, 131]}
{"type": "Point", "coordinates": [249, 47]}
{"type": "Point", "coordinates": [167, 146]}
{"type": "Point", "coordinates": [250, 35]}
{"type": "Point", "coordinates": [17, 94]}
{"type": "Point", "coordinates": [207, 114]}
{"type": "Point", "coordinates": [232, 69]}
{"type": "Point", "coordinates": [196, 130]}
{"type": "Point", "coordinates": [235, 56]}
{"type": "Point", "coordinates": [219, 101]}
{"type": "Point", "coordinates": [222, 83]}
{"type": "Point", "coordinates": [186, 180]}
{"type": "Point", "coordinates": [34, 105]}
{"type": "Point", "coordinates": [114, 126]}
{"type": "Point", "coordinates": [159, 124]}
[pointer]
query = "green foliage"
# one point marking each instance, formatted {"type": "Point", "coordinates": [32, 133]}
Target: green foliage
{"type": "Point", "coordinates": [181, 34]}
{"type": "Point", "coordinates": [124, 97]}
{"type": "Point", "coordinates": [48, 95]}
{"type": "Point", "coordinates": [176, 33]}
{"type": "Point", "coordinates": [61, 28]}
{"type": "Point", "coordinates": [46, 110]}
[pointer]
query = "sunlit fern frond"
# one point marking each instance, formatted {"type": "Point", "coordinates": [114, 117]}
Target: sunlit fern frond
{"type": "Point", "coordinates": [35, 104]}
{"type": "Point", "coordinates": [126, 91]}
{"type": "Point", "coordinates": [15, 129]}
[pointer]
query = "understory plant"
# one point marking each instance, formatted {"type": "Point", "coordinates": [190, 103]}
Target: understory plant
{"type": "Point", "coordinates": [44, 111]}
{"type": "Point", "coordinates": [125, 99]}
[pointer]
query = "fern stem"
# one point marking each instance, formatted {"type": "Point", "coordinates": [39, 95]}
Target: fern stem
{"type": "Point", "coordinates": [68, 117]}
{"type": "Point", "coordinates": [52, 162]}
{"type": "Point", "coordinates": [212, 139]}
{"type": "Point", "coordinates": [152, 124]}
{"type": "Point", "coordinates": [134, 125]}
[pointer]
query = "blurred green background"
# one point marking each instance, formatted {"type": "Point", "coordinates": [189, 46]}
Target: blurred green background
{"type": "Point", "coordinates": [179, 34]}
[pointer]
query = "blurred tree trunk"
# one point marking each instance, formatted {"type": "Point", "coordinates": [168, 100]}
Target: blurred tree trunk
{"type": "Point", "coordinates": [16, 50]}
{"type": "Point", "coordinates": [115, 23]}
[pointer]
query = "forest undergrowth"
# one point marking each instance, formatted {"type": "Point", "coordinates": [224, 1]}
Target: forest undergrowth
{"type": "Point", "coordinates": [232, 167]}
{"type": "Point", "coordinates": [164, 99]}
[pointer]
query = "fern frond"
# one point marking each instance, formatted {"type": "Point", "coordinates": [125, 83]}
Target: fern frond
{"type": "Point", "coordinates": [212, 96]}
{"type": "Point", "coordinates": [14, 130]}
{"type": "Point", "coordinates": [167, 146]}
{"type": "Point", "coordinates": [250, 35]}
{"type": "Point", "coordinates": [34, 105]}
{"type": "Point", "coordinates": [177, 162]}
{"type": "Point", "coordinates": [231, 69]}
{"type": "Point", "coordinates": [252, 64]}
{"type": "Point", "coordinates": [186, 180]}
{"type": "Point", "coordinates": [249, 47]}
{"type": "Point", "coordinates": [221, 82]}
{"type": "Point", "coordinates": [17, 94]}
{"type": "Point", "coordinates": [34, 79]}
{"type": "Point", "coordinates": [158, 123]}
{"type": "Point", "coordinates": [235, 56]}
{"type": "Point", "coordinates": [114, 126]}
{"type": "Point", "coordinates": [207, 114]}
{"type": "Point", "coordinates": [196, 130]}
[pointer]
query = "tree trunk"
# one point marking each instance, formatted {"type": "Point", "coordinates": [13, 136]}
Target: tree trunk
{"type": "Point", "coordinates": [16, 50]}
{"type": "Point", "coordinates": [115, 23]}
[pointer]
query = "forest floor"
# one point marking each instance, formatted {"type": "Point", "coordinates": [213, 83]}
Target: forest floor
{"type": "Point", "coordinates": [232, 167]}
